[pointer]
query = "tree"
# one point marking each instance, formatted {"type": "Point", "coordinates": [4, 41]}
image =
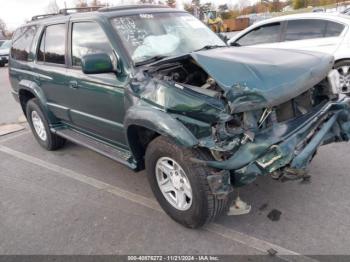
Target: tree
{"type": "Point", "coordinates": [3, 28]}
{"type": "Point", "coordinates": [297, 4]}
{"type": "Point", "coordinates": [81, 3]}
{"type": "Point", "coordinates": [52, 7]}
{"type": "Point", "coordinates": [171, 3]}
{"type": "Point", "coordinates": [276, 6]}
{"type": "Point", "coordinates": [223, 8]}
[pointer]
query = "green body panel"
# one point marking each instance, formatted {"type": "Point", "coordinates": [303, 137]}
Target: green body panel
{"type": "Point", "coordinates": [160, 122]}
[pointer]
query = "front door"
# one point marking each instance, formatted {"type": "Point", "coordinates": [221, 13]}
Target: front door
{"type": "Point", "coordinates": [98, 106]}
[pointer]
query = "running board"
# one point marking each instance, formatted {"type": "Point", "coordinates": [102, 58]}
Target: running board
{"type": "Point", "coordinates": [122, 156]}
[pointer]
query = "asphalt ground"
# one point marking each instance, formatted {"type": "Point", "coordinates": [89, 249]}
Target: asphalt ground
{"type": "Point", "coordinates": [75, 201]}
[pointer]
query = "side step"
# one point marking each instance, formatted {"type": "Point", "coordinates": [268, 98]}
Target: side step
{"type": "Point", "coordinates": [122, 156]}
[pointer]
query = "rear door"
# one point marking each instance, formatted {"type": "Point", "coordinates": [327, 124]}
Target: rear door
{"type": "Point", "coordinates": [98, 106]}
{"type": "Point", "coordinates": [50, 67]}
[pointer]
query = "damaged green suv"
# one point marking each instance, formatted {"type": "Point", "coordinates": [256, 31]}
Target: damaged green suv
{"type": "Point", "coordinates": [152, 87]}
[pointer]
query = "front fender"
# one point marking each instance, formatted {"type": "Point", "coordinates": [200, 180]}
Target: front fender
{"type": "Point", "coordinates": [161, 123]}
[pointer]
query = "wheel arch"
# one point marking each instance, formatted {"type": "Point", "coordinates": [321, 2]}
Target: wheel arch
{"type": "Point", "coordinates": [143, 124]}
{"type": "Point", "coordinates": [29, 90]}
{"type": "Point", "coordinates": [341, 60]}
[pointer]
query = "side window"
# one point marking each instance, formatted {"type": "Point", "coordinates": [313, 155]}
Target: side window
{"type": "Point", "coordinates": [305, 29]}
{"type": "Point", "coordinates": [334, 29]}
{"type": "Point", "coordinates": [52, 45]}
{"type": "Point", "coordinates": [88, 38]}
{"type": "Point", "coordinates": [261, 35]}
{"type": "Point", "coordinates": [21, 42]}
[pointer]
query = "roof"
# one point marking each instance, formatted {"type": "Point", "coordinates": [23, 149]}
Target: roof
{"type": "Point", "coordinates": [105, 11]}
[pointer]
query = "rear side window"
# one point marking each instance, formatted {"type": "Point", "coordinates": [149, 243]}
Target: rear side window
{"type": "Point", "coordinates": [52, 46]}
{"type": "Point", "coordinates": [261, 35]}
{"type": "Point", "coordinates": [334, 29]}
{"type": "Point", "coordinates": [88, 38]}
{"type": "Point", "coordinates": [305, 29]}
{"type": "Point", "coordinates": [21, 42]}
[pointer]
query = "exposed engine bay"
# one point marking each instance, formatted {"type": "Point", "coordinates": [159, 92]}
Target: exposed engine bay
{"type": "Point", "coordinates": [255, 117]}
{"type": "Point", "coordinates": [189, 74]}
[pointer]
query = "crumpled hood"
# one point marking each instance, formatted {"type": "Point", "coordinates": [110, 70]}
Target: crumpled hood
{"type": "Point", "coordinates": [254, 78]}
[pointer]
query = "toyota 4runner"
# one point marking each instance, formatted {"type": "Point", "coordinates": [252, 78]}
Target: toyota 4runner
{"type": "Point", "coordinates": [153, 88]}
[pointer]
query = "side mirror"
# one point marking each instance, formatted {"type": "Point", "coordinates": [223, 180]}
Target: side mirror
{"type": "Point", "coordinates": [97, 64]}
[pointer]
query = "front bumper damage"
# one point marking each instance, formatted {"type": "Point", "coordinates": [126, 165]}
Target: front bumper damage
{"type": "Point", "coordinates": [284, 150]}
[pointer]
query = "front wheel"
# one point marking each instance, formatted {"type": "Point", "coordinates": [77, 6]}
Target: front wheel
{"type": "Point", "coordinates": [343, 67]}
{"type": "Point", "coordinates": [180, 186]}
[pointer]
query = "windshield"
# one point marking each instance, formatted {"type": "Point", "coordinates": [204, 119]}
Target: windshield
{"type": "Point", "coordinates": [147, 36]}
{"type": "Point", "coordinates": [5, 45]}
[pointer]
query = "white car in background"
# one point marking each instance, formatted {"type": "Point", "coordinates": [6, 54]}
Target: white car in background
{"type": "Point", "coordinates": [323, 32]}
{"type": "Point", "coordinates": [4, 52]}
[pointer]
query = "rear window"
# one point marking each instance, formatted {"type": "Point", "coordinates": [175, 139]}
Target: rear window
{"type": "Point", "coordinates": [334, 29]}
{"type": "Point", "coordinates": [21, 42]}
{"type": "Point", "coordinates": [305, 29]}
{"type": "Point", "coordinates": [53, 45]}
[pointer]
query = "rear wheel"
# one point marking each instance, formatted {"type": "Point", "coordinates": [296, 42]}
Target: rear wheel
{"type": "Point", "coordinates": [40, 127]}
{"type": "Point", "coordinates": [180, 186]}
{"type": "Point", "coordinates": [2, 64]}
{"type": "Point", "coordinates": [343, 68]}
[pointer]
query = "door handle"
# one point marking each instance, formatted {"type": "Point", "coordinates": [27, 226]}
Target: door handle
{"type": "Point", "coordinates": [73, 84]}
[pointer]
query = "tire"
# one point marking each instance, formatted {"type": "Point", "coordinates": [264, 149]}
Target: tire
{"type": "Point", "coordinates": [346, 75]}
{"type": "Point", "coordinates": [2, 64]}
{"type": "Point", "coordinates": [49, 141]}
{"type": "Point", "coordinates": [205, 206]}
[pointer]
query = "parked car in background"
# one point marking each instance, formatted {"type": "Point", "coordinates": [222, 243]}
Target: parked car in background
{"type": "Point", "coordinates": [4, 52]}
{"type": "Point", "coordinates": [318, 10]}
{"type": "Point", "coordinates": [323, 32]}
{"type": "Point", "coordinates": [346, 11]}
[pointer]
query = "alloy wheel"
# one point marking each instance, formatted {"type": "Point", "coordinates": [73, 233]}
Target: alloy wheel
{"type": "Point", "coordinates": [174, 183]}
{"type": "Point", "coordinates": [38, 125]}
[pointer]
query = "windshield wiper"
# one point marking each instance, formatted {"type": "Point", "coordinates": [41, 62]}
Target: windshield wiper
{"type": "Point", "coordinates": [208, 47]}
{"type": "Point", "coordinates": [151, 60]}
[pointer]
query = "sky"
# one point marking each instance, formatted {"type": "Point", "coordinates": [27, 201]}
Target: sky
{"type": "Point", "coordinates": [15, 12]}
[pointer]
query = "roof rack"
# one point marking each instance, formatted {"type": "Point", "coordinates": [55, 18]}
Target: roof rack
{"type": "Point", "coordinates": [68, 11]}
{"type": "Point", "coordinates": [125, 7]}
{"type": "Point", "coordinates": [37, 17]}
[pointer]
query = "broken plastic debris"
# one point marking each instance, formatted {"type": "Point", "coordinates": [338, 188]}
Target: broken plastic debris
{"type": "Point", "coordinates": [239, 208]}
{"type": "Point", "coordinates": [272, 252]}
